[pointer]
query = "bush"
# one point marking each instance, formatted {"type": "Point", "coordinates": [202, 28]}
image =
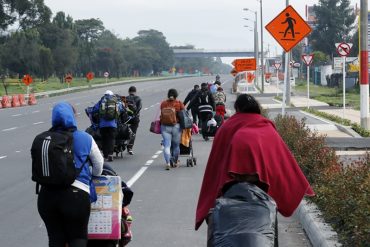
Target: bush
{"type": "Point", "coordinates": [342, 192]}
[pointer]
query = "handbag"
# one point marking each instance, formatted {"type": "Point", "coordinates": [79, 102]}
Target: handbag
{"type": "Point", "coordinates": [155, 127]}
{"type": "Point", "coordinates": [195, 129]}
{"type": "Point", "coordinates": [186, 122]}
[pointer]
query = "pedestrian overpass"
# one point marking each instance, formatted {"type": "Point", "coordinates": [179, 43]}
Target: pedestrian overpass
{"type": "Point", "coordinates": [197, 53]}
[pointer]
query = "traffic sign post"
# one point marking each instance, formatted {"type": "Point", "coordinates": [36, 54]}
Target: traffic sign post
{"type": "Point", "coordinates": [307, 59]}
{"type": "Point", "coordinates": [277, 65]}
{"type": "Point", "coordinates": [27, 80]}
{"type": "Point", "coordinates": [288, 28]}
{"type": "Point", "coordinates": [246, 64]}
{"type": "Point", "coordinates": [106, 75]}
{"type": "Point", "coordinates": [68, 79]}
{"type": "Point", "coordinates": [343, 49]}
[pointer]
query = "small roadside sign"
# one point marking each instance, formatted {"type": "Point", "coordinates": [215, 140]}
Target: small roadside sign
{"type": "Point", "coordinates": [68, 78]}
{"type": "Point", "coordinates": [307, 59]}
{"type": "Point", "coordinates": [288, 28]}
{"type": "Point", "coordinates": [277, 65]}
{"type": "Point", "coordinates": [27, 79]}
{"type": "Point", "coordinates": [106, 74]}
{"type": "Point", "coordinates": [90, 76]}
{"type": "Point", "coordinates": [343, 49]}
{"type": "Point", "coordinates": [244, 64]}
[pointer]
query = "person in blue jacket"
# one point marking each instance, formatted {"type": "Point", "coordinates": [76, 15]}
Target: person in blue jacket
{"type": "Point", "coordinates": [108, 127]}
{"type": "Point", "coordinates": [66, 210]}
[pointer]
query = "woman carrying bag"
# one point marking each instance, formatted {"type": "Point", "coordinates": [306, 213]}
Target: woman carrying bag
{"type": "Point", "coordinates": [170, 128]}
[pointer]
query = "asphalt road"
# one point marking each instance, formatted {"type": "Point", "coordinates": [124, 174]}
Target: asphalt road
{"type": "Point", "coordinates": [163, 206]}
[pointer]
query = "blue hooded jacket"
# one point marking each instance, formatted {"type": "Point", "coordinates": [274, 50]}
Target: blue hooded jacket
{"type": "Point", "coordinates": [63, 119]}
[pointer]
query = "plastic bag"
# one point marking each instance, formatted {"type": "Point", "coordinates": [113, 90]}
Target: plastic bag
{"type": "Point", "coordinates": [155, 125]}
{"type": "Point", "coordinates": [244, 216]}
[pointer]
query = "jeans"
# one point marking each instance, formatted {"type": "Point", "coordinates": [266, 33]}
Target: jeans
{"type": "Point", "coordinates": [65, 212]}
{"type": "Point", "coordinates": [171, 141]}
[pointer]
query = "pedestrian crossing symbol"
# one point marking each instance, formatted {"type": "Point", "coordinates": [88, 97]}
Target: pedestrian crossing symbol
{"type": "Point", "coordinates": [288, 28]}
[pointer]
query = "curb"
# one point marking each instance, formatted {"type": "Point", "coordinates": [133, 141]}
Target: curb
{"type": "Point", "coordinates": [320, 233]}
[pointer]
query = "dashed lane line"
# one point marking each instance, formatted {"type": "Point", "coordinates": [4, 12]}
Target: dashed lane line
{"type": "Point", "coordinates": [13, 128]}
{"type": "Point", "coordinates": [38, 123]}
{"type": "Point", "coordinates": [37, 111]}
{"type": "Point", "coordinates": [141, 171]}
{"type": "Point", "coordinates": [136, 176]}
{"type": "Point", "coordinates": [3, 157]}
{"type": "Point", "coordinates": [17, 115]}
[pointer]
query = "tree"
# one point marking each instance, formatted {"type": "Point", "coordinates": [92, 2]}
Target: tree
{"type": "Point", "coordinates": [88, 31]}
{"type": "Point", "coordinates": [156, 40]}
{"type": "Point", "coordinates": [335, 19]}
{"type": "Point", "coordinates": [46, 62]}
{"type": "Point", "coordinates": [28, 13]}
{"type": "Point", "coordinates": [21, 52]}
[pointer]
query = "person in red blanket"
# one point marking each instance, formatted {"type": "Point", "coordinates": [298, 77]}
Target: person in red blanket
{"type": "Point", "coordinates": [247, 148]}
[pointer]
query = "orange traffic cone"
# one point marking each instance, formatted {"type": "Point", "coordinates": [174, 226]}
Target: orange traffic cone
{"type": "Point", "coordinates": [32, 99]}
{"type": "Point", "coordinates": [22, 100]}
{"type": "Point", "coordinates": [15, 101]}
{"type": "Point", "coordinates": [6, 102]}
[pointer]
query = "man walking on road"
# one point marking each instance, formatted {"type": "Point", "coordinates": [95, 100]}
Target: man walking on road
{"type": "Point", "coordinates": [134, 105]}
{"type": "Point", "coordinates": [194, 108]}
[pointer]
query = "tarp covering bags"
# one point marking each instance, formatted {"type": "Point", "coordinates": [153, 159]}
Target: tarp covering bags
{"type": "Point", "coordinates": [244, 216]}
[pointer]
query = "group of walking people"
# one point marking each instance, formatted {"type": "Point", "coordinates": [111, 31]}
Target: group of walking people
{"type": "Point", "coordinates": [247, 149]}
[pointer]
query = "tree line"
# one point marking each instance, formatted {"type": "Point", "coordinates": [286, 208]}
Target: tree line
{"type": "Point", "coordinates": [33, 41]}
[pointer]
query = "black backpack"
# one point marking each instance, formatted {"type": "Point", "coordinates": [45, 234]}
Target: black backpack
{"type": "Point", "coordinates": [131, 104]}
{"type": "Point", "coordinates": [52, 159]}
{"type": "Point", "coordinates": [204, 98]}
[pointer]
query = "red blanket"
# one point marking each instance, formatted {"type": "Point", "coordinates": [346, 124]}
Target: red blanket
{"type": "Point", "coordinates": [249, 144]}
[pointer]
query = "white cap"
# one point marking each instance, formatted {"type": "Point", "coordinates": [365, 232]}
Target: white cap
{"type": "Point", "coordinates": [108, 92]}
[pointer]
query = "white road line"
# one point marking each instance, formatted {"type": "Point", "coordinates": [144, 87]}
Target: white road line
{"type": "Point", "coordinates": [37, 111]}
{"type": "Point", "coordinates": [149, 162]}
{"type": "Point", "coordinates": [18, 151]}
{"type": "Point", "coordinates": [151, 106]}
{"type": "Point", "coordinates": [159, 152]}
{"type": "Point", "coordinates": [136, 176]}
{"type": "Point", "coordinates": [16, 115]}
{"type": "Point", "coordinates": [146, 109]}
{"type": "Point", "coordinates": [10, 129]}
{"type": "Point", "coordinates": [2, 157]}
{"type": "Point", "coordinates": [38, 123]}
{"type": "Point", "coordinates": [154, 156]}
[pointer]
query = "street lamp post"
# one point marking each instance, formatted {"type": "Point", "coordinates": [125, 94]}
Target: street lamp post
{"type": "Point", "coordinates": [262, 63]}
{"type": "Point", "coordinates": [256, 48]}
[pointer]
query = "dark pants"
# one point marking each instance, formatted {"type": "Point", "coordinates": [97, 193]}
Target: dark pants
{"type": "Point", "coordinates": [65, 213]}
{"type": "Point", "coordinates": [194, 113]}
{"type": "Point", "coordinates": [133, 126]}
{"type": "Point", "coordinates": [108, 140]}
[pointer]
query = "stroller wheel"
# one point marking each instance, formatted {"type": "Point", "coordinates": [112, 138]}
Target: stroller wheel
{"type": "Point", "coordinates": [195, 161]}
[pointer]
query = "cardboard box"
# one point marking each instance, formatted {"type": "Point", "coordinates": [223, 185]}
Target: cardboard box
{"type": "Point", "coordinates": [106, 212]}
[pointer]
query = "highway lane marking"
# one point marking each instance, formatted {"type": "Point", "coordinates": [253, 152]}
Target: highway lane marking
{"type": "Point", "coordinates": [139, 173]}
{"type": "Point", "coordinates": [16, 115]}
{"type": "Point", "coordinates": [149, 162]}
{"type": "Point", "coordinates": [154, 156]}
{"type": "Point", "coordinates": [2, 157]}
{"type": "Point", "coordinates": [38, 123]}
{"type": "Point", "coordinates": [37, 111]}
{"type": "Point", "coordinates": [13, 128]}
{"type": "Point", "coordinates": [146, 109]}
{"type": "Point", "coordinates": [17, 151]}
{"type": "Point", "coordinates": [137, 176]}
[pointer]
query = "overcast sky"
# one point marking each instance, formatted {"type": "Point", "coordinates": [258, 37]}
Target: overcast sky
{"type": "Point", "coordinates": [208, 24]}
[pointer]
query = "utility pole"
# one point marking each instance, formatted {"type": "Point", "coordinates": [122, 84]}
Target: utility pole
{"type": "Point", "coordinates": [364, 75]}
{"type": "Point", "coordinates": [262, 64]}
{"type": "Point", "coordinates": [287, 73]}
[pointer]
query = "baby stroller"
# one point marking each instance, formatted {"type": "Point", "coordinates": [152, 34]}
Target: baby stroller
{"type": "Point", "coordinates": [213, 124]}
{"type": "Point", "coordinates": [126, 234]}
{"type": "Point", "coordinates": [186, 148]}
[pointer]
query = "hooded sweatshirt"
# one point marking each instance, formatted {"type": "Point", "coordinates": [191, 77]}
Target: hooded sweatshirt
{"type": "Point", "coordinates": [84, 145]}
